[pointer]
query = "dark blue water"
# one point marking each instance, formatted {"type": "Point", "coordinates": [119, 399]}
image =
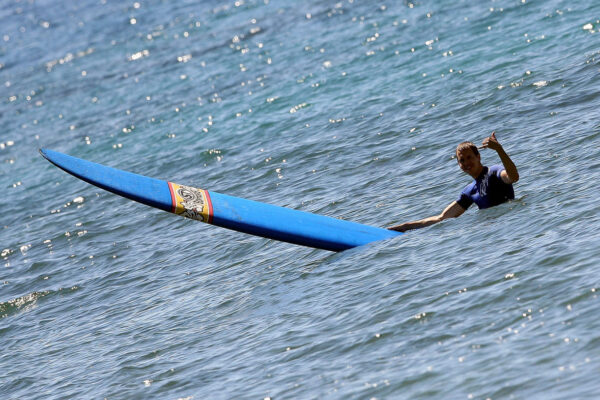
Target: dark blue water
{"type": "Point", "coordinates": [349, 109]}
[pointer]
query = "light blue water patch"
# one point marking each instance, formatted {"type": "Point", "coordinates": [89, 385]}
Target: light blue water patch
{"type": "Point", "coordinates": [350, 109]}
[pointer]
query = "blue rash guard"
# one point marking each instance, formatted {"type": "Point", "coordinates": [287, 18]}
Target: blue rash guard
{"type": "Point", "coordinates": [488, 190]}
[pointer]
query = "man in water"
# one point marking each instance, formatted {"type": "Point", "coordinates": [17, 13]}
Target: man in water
{"type": "Point", "coordinates": [492, 186]}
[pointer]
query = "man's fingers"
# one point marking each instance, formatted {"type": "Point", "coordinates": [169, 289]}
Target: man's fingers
{"type": "Point", "coordinates": [486, 142]}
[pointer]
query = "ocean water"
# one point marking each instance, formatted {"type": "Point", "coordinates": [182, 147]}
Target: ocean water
{"type": "Point", "coordinates": [350, 109]}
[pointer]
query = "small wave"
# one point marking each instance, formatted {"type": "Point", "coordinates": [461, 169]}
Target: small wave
{"type": "Point", "coordinates": [28, 301]}
{"type": "Point", "coordinates": [25, 303]}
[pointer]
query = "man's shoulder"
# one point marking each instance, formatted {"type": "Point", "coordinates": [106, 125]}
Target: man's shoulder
{"type": "Point", "coordinates": [496, 169]}
{"type": "Point", "coordinates": [469, 188]}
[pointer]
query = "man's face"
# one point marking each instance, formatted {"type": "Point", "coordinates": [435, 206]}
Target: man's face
{"type": "Point", "coordinates": [469, 162]}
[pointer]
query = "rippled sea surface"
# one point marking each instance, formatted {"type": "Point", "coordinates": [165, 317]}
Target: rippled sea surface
{"type": "Point", "coordinates": [350, 109]}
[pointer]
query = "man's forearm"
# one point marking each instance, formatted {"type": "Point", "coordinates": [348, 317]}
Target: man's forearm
{"type": "Point", "coordinates": [422, 223]}
{"type": "Point", "coordinates": [509, 166]}
{"type": "Point", "coordinates": [452, 211]}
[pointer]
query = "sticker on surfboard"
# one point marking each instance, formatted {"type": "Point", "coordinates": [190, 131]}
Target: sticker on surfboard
{"type": "Point", "coordinates": [191, 203]}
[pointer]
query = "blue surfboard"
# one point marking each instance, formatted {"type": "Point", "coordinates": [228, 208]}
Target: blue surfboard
{"type": "Point", "coordinates": [229, 212]}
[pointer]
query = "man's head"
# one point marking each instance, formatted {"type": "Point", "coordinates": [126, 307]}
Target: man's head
{"type": "Point", "coordinates": [469, 159]}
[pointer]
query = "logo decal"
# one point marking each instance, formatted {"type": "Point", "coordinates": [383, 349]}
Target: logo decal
{"type": "Point", "coordinates": [191, 203]}
{"type": "Point", "coordinates": [483, 185]}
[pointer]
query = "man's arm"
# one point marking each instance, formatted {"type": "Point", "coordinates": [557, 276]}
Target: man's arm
{"type": "Point", "coordinates": [510, 173]}
{"type": "Point", "coordinates": [452, 211]}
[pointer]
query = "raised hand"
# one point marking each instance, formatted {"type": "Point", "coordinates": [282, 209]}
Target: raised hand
{"type": "Point", "coordinates": [491, 142]}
